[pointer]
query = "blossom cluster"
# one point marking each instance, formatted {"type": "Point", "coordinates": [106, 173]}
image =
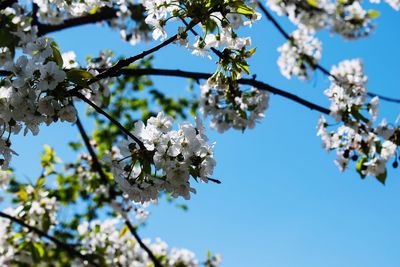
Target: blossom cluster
{"type": "Point", "coordinates": [120, 249]}
{"type": "Point", "coordinates": [169, 159]}
{"type": "Point", "coordinates": [109, 239]}
{"type": "Point", "coordinates": [357, 139]}
{"type": "Point", "coordinates": [347, 18]}
{"type": "Point", "coordinates": [299, 55]}
{"type": "Point", "coordinates": [348, 90]}
{"type": "Point", "coordinates": [395, 4]}
{"type": "Point", "coordinates": [39, 208]}
{"type": "Point", "coordinates": [7, 246]}
{"type": "Point", "coordinates": [56, 11]}
{"type": "Point", "coordinates": [100, 89]}
{"type": "Point", "coordinates": [33, 93]}
{"type": "Point", "coordinates": [231, 107]}
{"type": "Point", "coordinates": [130, 21]}
{"type": "Point", "coordinates": [220, 24]}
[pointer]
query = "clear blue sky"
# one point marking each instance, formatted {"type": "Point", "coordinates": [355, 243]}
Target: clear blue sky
{"type": "Point", "coordinates": [283, 202]}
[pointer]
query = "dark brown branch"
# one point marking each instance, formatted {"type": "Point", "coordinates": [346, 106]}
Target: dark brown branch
{"type": "Point", "coordinates": [67, 247]}
{"type": "Point", "coordinates": [316, 66]}
{"type": "Point", "coordinates": [5, 73]}
{"type": "Point", "coordinates": [133, 231]}
{"type": "Point", "coordinates": [214, 180]}
{"type": "Point", "coordinates": [102, 15]}
{"type": "Point", "coordinates": [389, 99]}
{"type": "Point", "coordinates": [114, 70]}
{"type": "Point", "coordinates": [108, 116]}
{"type": "Point", "coordinates": [7, 3]}
{"type": "Point", "coordinates": [252, 82]}
{"type": "Point", "coordinates": [35, 10]}
{"type": "Point", "coordinates": [126, 62]}
{"type": "Point", "coordinates": [199, 75]}
{"type": "Point", "coordinates": [273, 20]}
{"type": "Point", "coordinates": [96, 166]}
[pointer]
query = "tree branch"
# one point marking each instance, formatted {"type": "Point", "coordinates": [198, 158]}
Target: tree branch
{"type": "Point", "coordinates": [114, 70]}
{"type": "Point", "coordinates": [7, 3]}
{"type": "Point", "coordinates": [108, 116]}
{"type": "Point", "coordinates": [5, 73]}
{"type": "Point", "coordinates": [132, 229]}
{"type": "Point", "coordinates": [35, 10]}
{"type": "Point", "coordinates": [317, 66]}
{"type": "Point", "coordinates": [103, 14]}
{"type": "Point", "coordinates": [252, 82]}
{"type": "Point", "coordinates": [67, 247]}
{"type": "Point", "coordinates": [96, 166]}
{"type": "Point", "coordinates": [273, 20]}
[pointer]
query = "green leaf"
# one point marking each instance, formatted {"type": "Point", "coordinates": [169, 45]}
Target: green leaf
{"type": "Point", "coordinates": [57, 55]}
{"type": "Point", "coordinates": [373, 13]}
{"type": "Point", "coordinates": [7, 38]}
{"type": "Point", "coordinates": [46, 222]}
{"type": "Point", "coordinates": [382, 177]}
{"type": "Point", "coordinates": [40, 181]}
{"type": "Point", "coordinates": [360, 166]}
{"type": "Point", "coordinates": [39, 248]}
{"type": "Point", "coordinates": [241, 8]}
{"type": "Point", "coordinates": [22, 195]}
{"type": "Point", "coordinates": [251, 52]}
{"type": "Point", "coordinates": [75, 145]}
{"type": "Point", "coordinates": [313, 3]}
{"type": "Point", "coordinates": [123, 231]}
{"type": "Point", "coordinates": [79, 76]}
{"type": "Point", "coordinates": [245, 10]}
{"type": "Point", "coordinates": [244, 67]}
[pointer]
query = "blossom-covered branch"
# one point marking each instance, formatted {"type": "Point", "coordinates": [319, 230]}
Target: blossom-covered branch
{"type": "Point", "coordinates": [103, 112]}
{"type": "Point", "coordinates": [67, 247]}
{"type": "Point", "coordinates": [97, 168]}
{"type": "Point", "coordinates": [103, 14]}
{"type": "Point", "coordinates": [315, 64]}
{"type": "Point", "coordinates": [96, 163]}
{"type": "Point", "coordinates": [133, 231]}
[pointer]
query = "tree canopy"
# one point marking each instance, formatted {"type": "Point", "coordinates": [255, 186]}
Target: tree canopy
{"type": "Point", "coordinates": [148, 146]}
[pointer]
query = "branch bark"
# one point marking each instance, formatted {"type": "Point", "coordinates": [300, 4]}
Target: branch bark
{"type": "Point", "coordinates": [201, 76]}
{"type": "Point", "coordinates": [96, 166]}
{"type": "Point", "coordinates": [108, 116]}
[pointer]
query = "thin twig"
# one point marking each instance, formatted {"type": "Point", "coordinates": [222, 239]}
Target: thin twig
{"type": "Point", "coordinates": [96, 166]}
{"type": "Point", "coordinates": [126, 62]}
{"type": "Point", "coordinates": [67, 247]}
{"type": "Point", "coordinates": [110, 118]}
{"type": "Point", "coordinates": [133, 231]}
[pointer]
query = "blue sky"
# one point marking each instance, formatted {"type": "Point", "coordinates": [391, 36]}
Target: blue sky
{"type": "Point", "coordinates": [283, 202]}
